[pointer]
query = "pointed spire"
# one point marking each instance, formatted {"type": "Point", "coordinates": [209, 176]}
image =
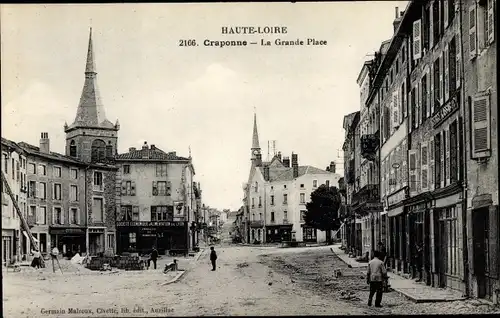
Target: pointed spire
{"type": "Point", "coordinates": [90, 66]}
{"type": "Point", "coordinates": [90, 112]}
{"type": "Point", "coordinates": [255, 137]}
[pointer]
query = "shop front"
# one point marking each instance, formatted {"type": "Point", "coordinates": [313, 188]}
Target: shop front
{"type": "Point", "coordinates": [398, 248]}
{"type": "Point", "coordinates": [69, 240]}
{"type": "Point", "coordinates": [279, 233]}
{"type": "Point", "coordinates": [141, 236]}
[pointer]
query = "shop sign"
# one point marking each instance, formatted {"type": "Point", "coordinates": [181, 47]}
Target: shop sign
{"type": "Point", "coordinates": [150, 223]}
{"type": "Point", "coordinates": [444, 112]}
{"type": "Point", "coordinates": [397, 197]}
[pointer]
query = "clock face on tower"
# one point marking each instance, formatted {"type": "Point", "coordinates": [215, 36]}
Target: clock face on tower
{"type": "Point", "coordinates": [255, 152]}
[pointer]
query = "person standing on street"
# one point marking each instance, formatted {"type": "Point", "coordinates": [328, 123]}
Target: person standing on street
{"type": "Point", "coordinates": [418, 261]}
{"type": "Point", "coordinates": [54, 253]}
{"type": "Point", "coordinates": [375, 277]}
{"type": "Point", "coordinates": [153, 257]}
{"type": "Point", "coordinates": [213, 257]}
{"type": "Point", "coordinates": [36, 262]}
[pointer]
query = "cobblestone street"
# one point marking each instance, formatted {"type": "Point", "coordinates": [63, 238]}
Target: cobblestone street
{"type": "Point", "coordinates": [248, 281]}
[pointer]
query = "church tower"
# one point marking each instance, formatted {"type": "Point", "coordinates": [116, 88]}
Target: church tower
{"type": "Point", "coordinates": [255, 150]}
{"type": "Point", "coordinates": [91, 137]}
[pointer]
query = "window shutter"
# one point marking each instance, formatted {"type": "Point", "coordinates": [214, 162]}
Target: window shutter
{"type": "Point", "coordinates": [382, 174]}
{"type": "Point", "coordinates": [446, 74]}
{"type": "Point", "coordinates": [472, 32]}
{"type": "Point", "coordinates": [155, 188]}
{"type": "Point", "coordinates": [491, 21]}
{"type": "Point", "coordinates": [424, 170]}
{"type": "Point", "coordinates": [431, 89]}
{"type": "Point", "coordinates": [132, 188]}
{"type": "Point", "coordinates": [458, 57]}
{"type": "Point", "coordinates": [417, 39]}
{"type": "Point", "coordinates": [430, 172]}
{"type": "Point", "coordinates": [169, 188]}
{"type": "Point", "coordinates": [62, 216]}
{"type": "Point", "coordinates": [442, 151]}
{"type": "Point", "coordinates": [124, 187]}
{"type": "Point", "coordinates": [446, 18]}
{"type": "Point", "coordinates": [481, 124]}
{"type": "Point", "coordinates": [418, 108]}
{"type": "Point", "coordinates": [413, 165]}
{"type": "Point", "coordinates": [441, 71]}
{"type": "Point", "coordinates": [395, 109]}
{"type": "Point", "coordinates": [410, 110]}
{"type": "Point", "coordinates": [448, 161]}
{"type": "Point", "coordinates": [404, 170]}
{"type": "Point", "coordinates": [428, 98]}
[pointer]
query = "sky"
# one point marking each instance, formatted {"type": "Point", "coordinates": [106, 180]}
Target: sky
{"type": "Point", "coordinates": [199, 98]}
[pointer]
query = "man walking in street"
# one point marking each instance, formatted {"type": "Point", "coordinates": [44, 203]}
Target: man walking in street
{"type": "Point", "coordinates": [153, 257]}
{"type": "Point", "coordinates": [53, 255]}
{"type": "Point", "coordinates": [213, 257]}
{"type": "Point", "coordinates": [375, 277]}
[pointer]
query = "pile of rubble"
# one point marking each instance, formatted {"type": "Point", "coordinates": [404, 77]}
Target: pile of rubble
{"type": "Point", "coordinates": [129, 262]}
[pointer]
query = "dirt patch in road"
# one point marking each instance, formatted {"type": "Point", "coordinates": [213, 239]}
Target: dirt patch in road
{"type": "Point", "coordinates": [315, 270]}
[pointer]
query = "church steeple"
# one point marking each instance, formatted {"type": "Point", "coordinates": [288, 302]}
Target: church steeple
{"type": "Point", "coordinates": [255, 140]}
{"type": "Point", "coordinates": [90, 112]}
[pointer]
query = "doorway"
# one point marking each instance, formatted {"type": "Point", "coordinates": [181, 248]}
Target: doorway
{"type": "Point", "coordinates": [480, 221]}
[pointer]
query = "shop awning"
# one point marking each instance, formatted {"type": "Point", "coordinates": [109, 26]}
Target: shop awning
{"type": "Point", "coordinates": [395, 212]}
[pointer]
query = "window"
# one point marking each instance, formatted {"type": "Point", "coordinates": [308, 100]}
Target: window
{"type": "Point", "coordinates": [253, 202]}
{"type": "Point", "coordinates": [435, 22]}
{"type": "Point", "coordinates": [127, 188]}
{"type": "Point", "coordinates": [327, 183]}
{"type": "Point", "coordinates": [132, 238]}
{"type": "Point", "coordinates": [162, 213]}
{"type": "Point", "coordinates": [57, 191]}
{"type": "Point", "coordinates": [423, 98]}
{"type": "Point", "coordinates": [272, 217]}
{"type": "Point", "coordinates": [126, 169]}
{"type": "Point", "coordinates": [260, 202]}
{"type": "Point", "coordinates": [437, 161]}
{"type": "Point", "coordinates": [42, 190]}
{"type": "Point", "coordinates": [127, 213]}
{"type": "Point", "coordinates": [32, 210]}
{"type": "Point", "coordinates": [260, 216]}
{"type": "Point", "coordinates": [460, 134]}
{"type": "Point", "coordinates": [302, 215]}
{"type": "Point", "coordinates": [285, 198]}
{"type": "Point", "coordinates": [73, 193]}
{"type": "Point", "coordinates": [57, 172]}
{"type": "Point", "coordinates": [302, 186]}
{"type": "Point", "coordinates": [98, 186]}
{"type": "Point", "coordinates": [98, 150]}
{"type": "Point", "coordinates": [98, 210]}
{"type": "Point", "coordinates": [161, 188]}
{"type": "Point", "coordinates": [448, 230]}
{"type": "Point", "coordinates": [31, 167]}
{"type": "Point", "coordinates": [13, 169]}
{"type": "Point", "coordinates": [309, 234]}
{"type": "Point", "coordinates": [42, 170]}
{"type": "Point", "coordinates": [452, 61]}
{"type": "Point", "coordinates": [285, 216]}
{"type": "Point", "coordinates": [58, 216]}
{"type": "Point", "coordinates": [109, 150]}
{"type": "Point", "coordinates": [413, 108]}
{"type": "Point", "coordinates": [32, 189]}
{"type": "Point", "coordinates": [41, 215]}
{"type": "Point", "coordinates": [315, 183]}
{"type": "Point", "coordinates": [437, 87]}
{"type": "Point", "coordinates": [72, 148]}
{"type": "Point", "coordinates": [284, 186]}
{"type": "Point", "coordinates": [73, 216]}
{"type": "Point", "coordinates": [161, 169]}
{"type": "Point", "coordinates": [426, 28]}
{"type": "Point", "coordinates": [444, 156]}
{"type": "Point", "coordinates": [74, 174]}
{"type": "Point", "coordinates": [6, 163]}
{"type": "Point", "coordinates": [302, 198]}
{"type": "Point", "coordinates": [453, 152]}
{"type": "Point", "coordinates": [272, 200]}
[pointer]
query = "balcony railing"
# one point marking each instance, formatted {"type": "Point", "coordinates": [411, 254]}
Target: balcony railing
{"type": "Point", "coordinates": [259, 223]}
{"type": "Point", "coordinates": [368, 193]}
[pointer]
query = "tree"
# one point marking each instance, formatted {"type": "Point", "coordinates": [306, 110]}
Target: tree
{"type": "Point", "coordinates": [323, 209]}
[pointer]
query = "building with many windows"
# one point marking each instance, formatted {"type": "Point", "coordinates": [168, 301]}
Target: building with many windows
{"type": "Point", "coordinates": [155, 200]}
{"type": "Point", "coordinates": [277, 193]}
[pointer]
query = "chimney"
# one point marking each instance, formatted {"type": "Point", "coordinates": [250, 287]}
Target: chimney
{"type": "Point", "coordinates": [44, 142]}
{"type": "Point", "coordinates": [153, 147]}
{"type": "Point", "coordinates": [286, 162]}
{"type": "Point", "coordinates": [145, 154]}
{"type": "Point", "coordinates": [327, 168]}
{"type": "Point", "coordinates": [258, 161]}
{"type": "Point", "coordinates": [173, 153]}
{"type": "Point", "coordinates": [131, 149]}
{"type": "Point", "coordinates": [279, 155]}
{"type": "Point", "coordinates": [295, 165]}
{"type": "Point", "coordinates": [266, 173]}
{"type": "Point", "coordinates": [332, 167]}
{"type": "Point", "coordinates": [397, 20]}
